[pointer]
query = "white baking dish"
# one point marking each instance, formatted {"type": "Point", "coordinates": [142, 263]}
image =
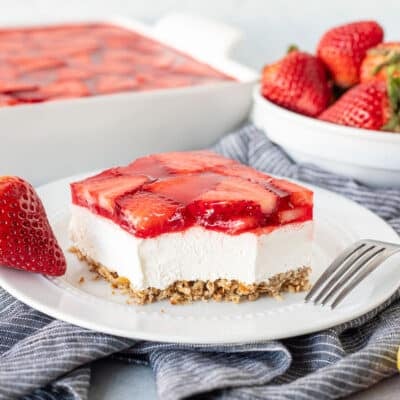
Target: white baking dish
{"type": "Point", "coordinates": [45, 141]}
{"type": "Point", "coordinates": [372, 157]}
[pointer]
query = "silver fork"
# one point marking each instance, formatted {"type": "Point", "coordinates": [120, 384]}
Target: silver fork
{"type": "Point", "coordinates": [348, 270]}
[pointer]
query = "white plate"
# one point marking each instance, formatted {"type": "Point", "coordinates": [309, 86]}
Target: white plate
{"type": "Point", "coordinates": [339, 222]}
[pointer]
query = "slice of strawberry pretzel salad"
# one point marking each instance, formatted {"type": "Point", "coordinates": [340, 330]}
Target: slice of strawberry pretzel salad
{"type": "Point", "coordinates": [193, 226]}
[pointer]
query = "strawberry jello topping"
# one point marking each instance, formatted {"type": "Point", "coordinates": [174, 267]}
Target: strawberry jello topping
{"type": "Point", "coordinates": [171, 192]}
{"type": "Point", "coordinates": [68, 61]}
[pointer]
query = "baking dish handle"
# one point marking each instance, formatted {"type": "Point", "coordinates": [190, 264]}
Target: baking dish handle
{"type": "Point", "coordinates": [197, 36]}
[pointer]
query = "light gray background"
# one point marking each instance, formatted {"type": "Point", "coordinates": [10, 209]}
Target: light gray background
{"type": "Point", "coordinates": [269, 26]}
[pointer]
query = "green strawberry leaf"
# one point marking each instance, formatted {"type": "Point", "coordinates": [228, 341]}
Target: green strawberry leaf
{"type": "Point", "coordinates": [393, 89]}
{"type": "Point", "coordinates": [392, 125]}
{"type": "Point", "coordinates": [394, 59]}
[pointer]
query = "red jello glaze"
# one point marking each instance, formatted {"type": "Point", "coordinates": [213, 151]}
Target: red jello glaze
{"type": "Point", "coordinates": [170, 192]}
{"type": "Point", "coordinates": [69, 61]}
{"type": "Point", "coordinates": [100, 194]}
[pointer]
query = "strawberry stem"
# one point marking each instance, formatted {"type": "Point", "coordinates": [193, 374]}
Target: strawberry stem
{"type": "Point", "coordinates": [394, 59]}
{"type": "Point", "coordinates": [291, 48]}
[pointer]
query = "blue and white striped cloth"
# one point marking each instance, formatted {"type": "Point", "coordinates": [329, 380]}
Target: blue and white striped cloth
{"type": "Point", "coordinates": [42, 358]}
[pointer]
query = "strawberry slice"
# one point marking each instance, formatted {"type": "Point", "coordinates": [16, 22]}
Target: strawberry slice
{"type": "Point", "coordinates": [72, 73]}
{"type": "Point", "coordinates": [298, 214]}
{"type": "Point", "coordinates": [299, 195]}
{"type": "Point", "coordinates": [231, 215]}
{"type": "Point", "coordinates": [236, 189]}
{"type": "Point", "coordinates": [7, 73]}
{"type": "Point", "coordinates": [75, 47]}
{"type": "Point", "coordinates": [238, 224]}
{"type": "Point", "coordinates": [7, 100]}
{"type": "Point", "coordinates": [113, 68]}
{"type": "Point", "coordinates": [102, 192]}
{"type": "Point", "coordinates": [25, 65]}
{"type": "Point", "coordinates": [146, 214]}
{"type": "Point", "coordinates": [27, 241]}
{"type": "Point", "coordinates": [195, 68]}
{"type": "Point", "coordinates": [111, 56]}
{"type": "Point", "coordinates": [80, 59]}
{"type": "Point", "coordinates": [169, 81]}
{"type": "Point", "coordinates": [65, 89]}
{"type": "Point", "coordinates": [147, 166]}
{"type": "Point", "coordinates": [191, 161]}
{"type": "Point", "coordinates": [185, 188]}
{"type": "Point", "coordinates": [242, 171]}
{"type": "Point", "coordinates": [16, 86]}
{"type": "Point", "coordinates": [234, 206]}
{"type": "Point", "coordinates": [30, 96]}
{"type": "Point", "coordinates": [114, 84]}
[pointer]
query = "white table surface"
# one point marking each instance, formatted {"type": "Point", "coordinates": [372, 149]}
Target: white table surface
{"type": "Point", "coordinates": [269, 26]}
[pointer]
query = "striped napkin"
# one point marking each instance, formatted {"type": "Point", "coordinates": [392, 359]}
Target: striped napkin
{"type": "Point", "coordinates": [42, 358]}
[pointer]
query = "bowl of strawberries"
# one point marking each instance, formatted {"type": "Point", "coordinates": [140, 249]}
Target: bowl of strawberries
{"type": "Point", "coordinates": [338, 108]}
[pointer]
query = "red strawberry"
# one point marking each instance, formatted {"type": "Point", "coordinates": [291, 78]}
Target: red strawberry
{"type": "Point", "coordinates": [147, 166]}
{"type": "Point", "coordinates": [297, 82]}
{"type": "Point", "coordinates": [6, 100]}
{"type": "Point", "coordinates": [233, 206]}
{"type": "Point", "coordinates": [80, 60]}
{"type": "Point", "coordinates": [242, 171]}
{"type": "Point", "coordinates": [146, 214]}
{"type": "Point", "coordinates": [65, 89]}
{"type": "Point", "coordinates": [30, 96]}
{"type": "Point", "coordinates": [113, 68]}
{"type": "Point", "coordinates": [7, 73]}
{"type": "Point", "coordinates": [379, 60]}
{"type": "Point", "coordinates": [15, 86]}
{"type": "Point", "coordinates": [27, 241]}
{"type": "Point", "coordinates": [193, 68]}
{"type": "Point", "coordinates": [238, 189]}
{"type": "Point", "coordinates": [298, 195]}
{"type": "Point", "coordinates": [115, 83]}
{"type": "Point", "coordinates": [73, 73]}
{"type": "Point", "coordinates": [343, 48]}
{"type": "Point", "coordinates": [101, 192]}
{"type": "Point", "coordinates": [167, 81]}
{"type": "Point", "coordinates": [368, 105]}
{"type": "Point", "coordinates": [26, 65]}
{"type": "Point", "coordinates": [298, 214]}
{"type": "Point", "coordinates": [191, 161]}
{"type": "Point", "coordinates": [184, 188]}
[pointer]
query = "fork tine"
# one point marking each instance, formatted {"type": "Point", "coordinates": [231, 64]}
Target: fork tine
{"type": "Point", "coordinates": [342, 271]}
{"type": "Point", "coordinates": [354, 268]}
{"type": "Point", "coordinates": [370, 267]}
{"type": "Point", "coordinates": [333, 267]}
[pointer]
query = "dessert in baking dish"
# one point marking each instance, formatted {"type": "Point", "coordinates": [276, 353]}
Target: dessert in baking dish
{"type": "Point", "coordinates": [68, 61]}
{"type": "Point", "coordinates": [193, 225]}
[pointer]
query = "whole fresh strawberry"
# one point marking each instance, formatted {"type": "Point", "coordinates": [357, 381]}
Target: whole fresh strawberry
{"type": "Point", "coordinates": [379, 60]}
{"type": "Point", "coordinates": [342, 49]}
{"type": "Point", "coordinates": [297, 82]}
{"type": "Point", "coordinates": [27, 241]}
{"type": "Point", "coordinates": [370, 105]}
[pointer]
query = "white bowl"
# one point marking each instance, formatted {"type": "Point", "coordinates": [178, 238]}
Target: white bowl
{"type": "Point", "coordinates": [45, 141]}
{"type": "Point", "coordinates": [371, 157]}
